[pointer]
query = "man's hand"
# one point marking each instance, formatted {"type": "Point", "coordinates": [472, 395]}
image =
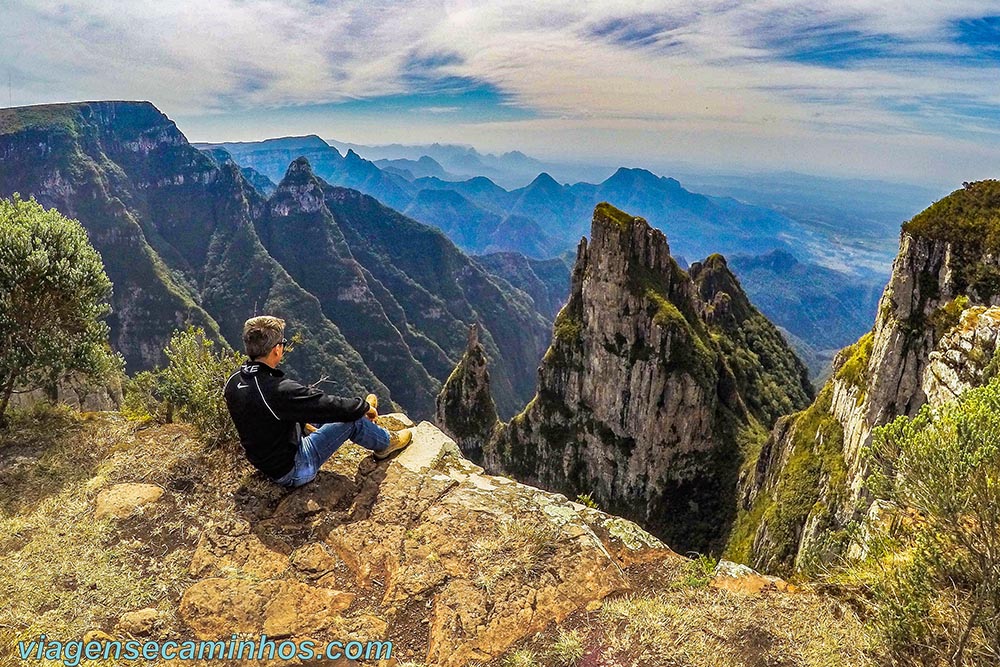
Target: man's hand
{"type": "Point", "coordinates": [310, 429]}
{"type": "Point", "coordinates": [373, 403]}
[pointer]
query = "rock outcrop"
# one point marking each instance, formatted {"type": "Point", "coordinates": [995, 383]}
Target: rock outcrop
{"type": "Point", "coordinates": [964, 357]}
{"type": "Point", "coordinates": [121, 500]}
{"type": "Point", "coordinates": [933, 337]}
{"type": "Point", "coordinates": [465, 407]}
{"type": "Point", "coordinates": [422, 552]}
{"type": "Point", "coordinates": [640, 399]}
{"type": "Point", "coordinates": [370, 546]}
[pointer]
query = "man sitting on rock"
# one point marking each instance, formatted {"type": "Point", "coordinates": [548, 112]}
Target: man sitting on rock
{"type": "Point", "coordinates": [273, 414]}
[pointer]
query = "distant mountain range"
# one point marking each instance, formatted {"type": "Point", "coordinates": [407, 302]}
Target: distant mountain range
{"type": "Point", "coordinates": [850, 224]}
{"type": "Point", "coordinates": [510, 170]}
{"type": "Point", "coordinates": [821, 308]}
{"type": "Point", "coordinates": [541, 219]}
{"type": "Point", "coordinates": [382, 302]}
{"type": "Point", "coordinates": [853, 223]}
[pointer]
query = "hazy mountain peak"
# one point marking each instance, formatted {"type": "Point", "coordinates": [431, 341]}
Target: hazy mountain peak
{"type": "Point", "coordinates": [482, 181]}
{"type": "Point", "coordinates": [777, 260]}
{"type": "Point", "coordinates": [632, 176]}
{"type": "Point", "coordinates": [544, 180]}
{"type": "Point", "coordinates": [299, 172]}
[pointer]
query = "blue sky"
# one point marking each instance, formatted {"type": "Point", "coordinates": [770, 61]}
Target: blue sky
{"type": "Point", "coordinates": [902, 90]}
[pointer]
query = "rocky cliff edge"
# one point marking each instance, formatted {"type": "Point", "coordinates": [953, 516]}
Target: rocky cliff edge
{"type": "Point", "coordinates": [111, 530]}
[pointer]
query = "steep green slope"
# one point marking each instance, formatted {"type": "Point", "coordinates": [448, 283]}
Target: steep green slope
{"type": "Point", "coordinates": [301, 233]}
{"type": "Point", "coordinates": [56, 154]}
{"type": "Point", "coordinates": [772, 381]}
{"type": "Point", "coordinates": [442, 291]}
{"type": "Point", "coordinates": [805, 494]}
{"type": "Point", "coordinates": [128, 174]}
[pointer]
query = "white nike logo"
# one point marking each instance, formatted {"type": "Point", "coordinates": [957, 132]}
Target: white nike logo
{"type": "Point", "coordinates": [240, 385]}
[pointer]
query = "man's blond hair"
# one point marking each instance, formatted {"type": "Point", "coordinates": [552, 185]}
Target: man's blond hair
{"type": "Point", "coordinates": [262, 333]}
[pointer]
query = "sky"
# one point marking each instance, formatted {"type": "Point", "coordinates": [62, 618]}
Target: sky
{"type": "Point", "coordinates": [906, 91]}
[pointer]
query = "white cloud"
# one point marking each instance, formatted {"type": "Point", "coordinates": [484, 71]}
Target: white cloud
{"type": "Point", "coordinates": [705, 72]}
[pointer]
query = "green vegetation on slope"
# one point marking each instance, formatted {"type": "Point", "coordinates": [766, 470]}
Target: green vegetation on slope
{"type": "Point", "coordinates": [809, 484]}
{"type": "Point", "coordinates": [930, 578]}
{"type": "Point", "coordinates": [188, 388]}
{"type": "Point", "coordinates": [968, 216]}
{"type": "Point", "coordinates": [770, 378]}
{"type": "Point", "coordinates": [608, 212]}
{"type": "Point", "coordinates": [854, 368]}
{"type": "Point", "coordinates": [51, 117]}
{"type": "Point", "coordinates": [691, 350]}
{"type": "Point", "coordinates": [53, 301]}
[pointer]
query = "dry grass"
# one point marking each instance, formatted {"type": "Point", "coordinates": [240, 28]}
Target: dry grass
{"type": "Point", "coordinates": [716, 628]}
{"type": "Point", "coordinates": [568, 650]}
{"type": "Point", "coordinates": [512, 548]}
{"type": "Point", "coordinates": [670, 621]}
{"type": "Point", "coordinates": [65, 573]}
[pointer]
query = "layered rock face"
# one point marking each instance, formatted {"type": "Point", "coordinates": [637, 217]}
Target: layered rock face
{"type": "Point", "coordinates": [933, 338]}
{"type": "Point", "coordinates": [637, 403]}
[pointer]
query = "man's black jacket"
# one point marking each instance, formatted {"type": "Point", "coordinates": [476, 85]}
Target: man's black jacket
{"type": "Point", "coordinates": [270, 409]}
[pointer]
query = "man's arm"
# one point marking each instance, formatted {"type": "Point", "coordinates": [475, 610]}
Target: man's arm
{"type": "Point", "coordinates": [296, 402]}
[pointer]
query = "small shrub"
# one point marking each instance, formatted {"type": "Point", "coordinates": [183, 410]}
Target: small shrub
{"type": "Point", "coordinates": [587, 500]}
{"type": "Point", "coordinates": [521, 658]}
{"type": "Point", "coordinates": [53, 300]}
{"type": "Point", "coordinates": [699, 571]}
{"type": "Point", "coordinates": [932, 570]}
{"type": "Point", "coordinates": [854, 369]}
{"type": "Point", "coordinates": [947, 316]}
{"type": "Point", "coordinates": [188, 389]}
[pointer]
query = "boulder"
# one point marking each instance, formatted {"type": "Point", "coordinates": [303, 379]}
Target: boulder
{"type": "Point", "coordinates": [122, 500]}
{"type": "Point", "coordinates": [138, 623]}
{"type": "Point", "coordinates": [739, 578]}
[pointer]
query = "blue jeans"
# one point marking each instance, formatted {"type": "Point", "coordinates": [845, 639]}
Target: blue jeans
{"type": "Point", "coordinates": [316, 448]}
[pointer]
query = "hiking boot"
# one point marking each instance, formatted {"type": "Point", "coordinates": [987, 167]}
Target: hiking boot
{"type": "Point", "coordinates": [397, 440]}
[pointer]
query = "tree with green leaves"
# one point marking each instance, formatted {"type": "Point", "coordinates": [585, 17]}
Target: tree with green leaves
{"type": "Point", "coordinates": [933, 561]}
{"type": "Point", "coordinates": [53, 298]}
{"type": "Point", "coordinates": [189, 388]}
